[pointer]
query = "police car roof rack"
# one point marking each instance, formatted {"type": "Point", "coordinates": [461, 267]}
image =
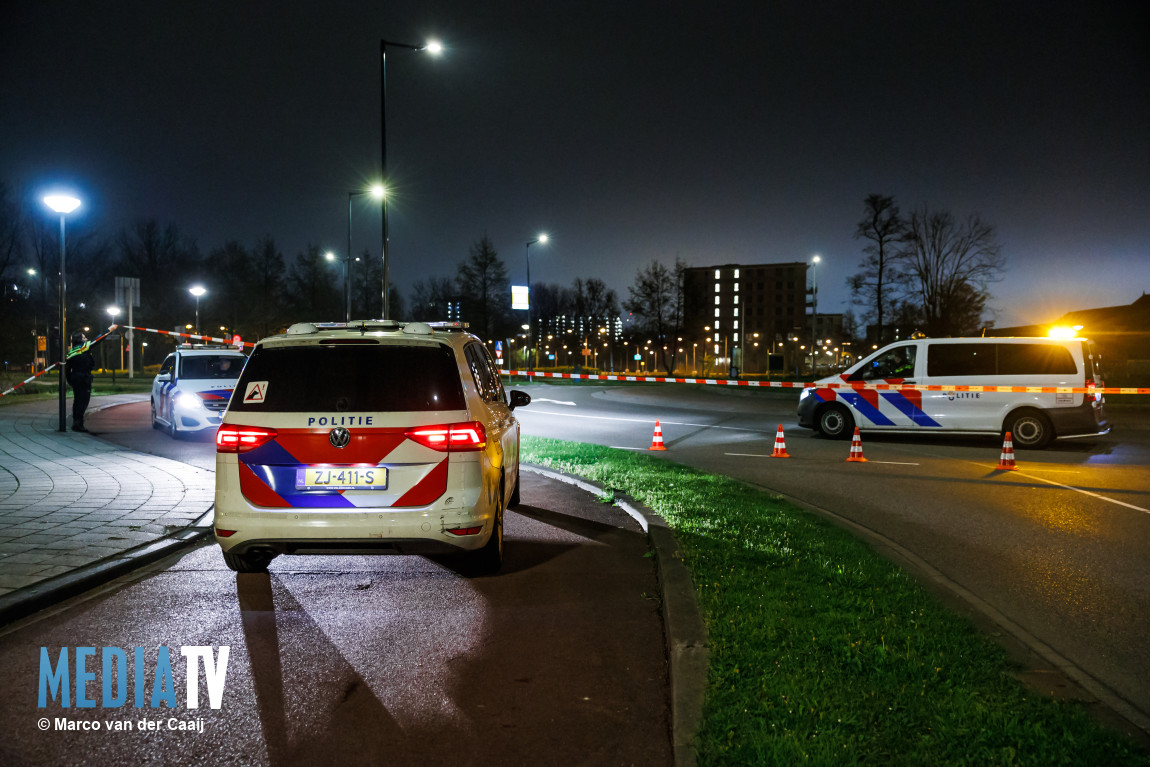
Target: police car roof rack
{"type": "Point", "coordinates": [453, 325]}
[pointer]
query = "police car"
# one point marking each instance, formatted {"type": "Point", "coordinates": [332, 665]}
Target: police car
{"type": "Point", "coordinates": [955, 369]}
{"type": "Point", "coordinates": [365, 437]}
{"type": "Point", "coordinates": [192, 389]}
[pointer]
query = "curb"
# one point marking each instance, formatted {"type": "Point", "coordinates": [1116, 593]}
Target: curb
{"type": "Point", "coordinates": [30, 599]}
{"type": "Point", "coordinates": [683, 628]}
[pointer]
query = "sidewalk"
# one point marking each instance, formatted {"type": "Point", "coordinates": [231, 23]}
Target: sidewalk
{"type": "Point", "coordinates": [70, 501]}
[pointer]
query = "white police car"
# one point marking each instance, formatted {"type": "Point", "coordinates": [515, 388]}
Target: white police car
{"type": "Point", "coordinates": [367, 436]}
{"type": "Point", "coordinates": [192, 389]}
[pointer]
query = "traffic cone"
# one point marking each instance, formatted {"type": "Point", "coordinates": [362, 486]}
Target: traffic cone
{"type": "Point", "coordinates": [780, 445]}
{"type": "Point", "coordinates": [1006, 460]}
{"type": "Point", "coordinates": [856, 455]}
{"type": "Point", "coordinates": [657, 439]}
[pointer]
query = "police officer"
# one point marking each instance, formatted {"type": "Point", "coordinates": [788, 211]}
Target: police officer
{"type": "Point", "coordinates": [78, 371]}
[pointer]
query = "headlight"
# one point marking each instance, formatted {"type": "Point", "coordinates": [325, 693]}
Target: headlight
{"type": "Point", "coordinates": [804, 394]}
{"type": "Point", "coordinates": [189, 402]}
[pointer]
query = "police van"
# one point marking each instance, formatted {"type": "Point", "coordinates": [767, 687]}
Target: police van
{"type": "Point", "coordinates": [1034, 418]}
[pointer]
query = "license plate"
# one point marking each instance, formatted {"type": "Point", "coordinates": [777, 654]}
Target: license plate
{"type": "Point", "coordinates": [337, 478]}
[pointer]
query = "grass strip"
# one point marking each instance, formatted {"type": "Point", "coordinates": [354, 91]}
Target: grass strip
{"type": "Point", "coordinates": [823, 652]}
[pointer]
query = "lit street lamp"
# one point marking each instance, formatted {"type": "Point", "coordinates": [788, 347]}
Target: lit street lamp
{"type": "Point", "coordinates": [62, 204]}
{"type": "Point", "coordinates": [197, 291]}
{"type": "Point", "coordinates": [541, 239]}
{"type": "Point", "coordinates": [434, 48]}
{"type": "Point", "coordinates": [815, 304]}
{"type": "Point", "coordinates": [376, 191]}
{"type": "Point", "coordinates": [114, 311]}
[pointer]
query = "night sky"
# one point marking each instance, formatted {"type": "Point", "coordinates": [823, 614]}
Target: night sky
{"type": "Point", "coordinates": [628, 130]}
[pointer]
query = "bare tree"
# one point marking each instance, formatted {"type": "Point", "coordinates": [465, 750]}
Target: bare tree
{"type": "Point", "coordinates": [656, 301]}
{"type": "Point", "coordinates": [949, 264]}
{"type": "Point", "coordinates": [485, 291]}
{"type": "Point", "coordinates": [430, 298]}
{"type": "Point", "coordinates": [877, 286]}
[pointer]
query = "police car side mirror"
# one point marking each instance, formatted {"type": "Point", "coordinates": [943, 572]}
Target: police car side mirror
{"type": "Point", "coordinates": [519, 399]}
{"type": "Point", "coordinates": [164, 377]}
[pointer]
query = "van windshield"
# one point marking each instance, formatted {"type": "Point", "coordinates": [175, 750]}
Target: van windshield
{"type": "Point", "coordinates": [893, 363]}
{"type": "Point", "coordinates": [211, 366]}
{"type": "Point", "coordinates": [360, 378]}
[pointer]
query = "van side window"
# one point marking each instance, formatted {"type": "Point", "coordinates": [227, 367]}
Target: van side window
{"type": "Point", "coordinates": [895, 363]}
{"type": "Point", "coordinates": [497, 381]}
{"type": "Point", "coordinates": [481, 372]}
{"type": "Point", "coordinates": [1035, 359]}
{"type": "Point", "coordinates": [949, 360]}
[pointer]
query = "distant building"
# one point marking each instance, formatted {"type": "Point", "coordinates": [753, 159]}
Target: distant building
{"type": "Point", "coordinates": [1121, 334]}
{"type": "Point", "coordinates": [749, 315]}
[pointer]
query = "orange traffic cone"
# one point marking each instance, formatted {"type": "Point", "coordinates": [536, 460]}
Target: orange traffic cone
{"type": "Point", "coordinates": [1006, 460]}
{"type": "Point", "coordinates": [657, 439]}
{"type": "Point", "coordinates": [780, 445]}
{"type": "Point", "coordinates": [856, 448]}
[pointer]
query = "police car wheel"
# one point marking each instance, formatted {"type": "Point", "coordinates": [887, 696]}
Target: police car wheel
{"type": "Point", "coordinates": [172, 432]}
{"type": "Point", "coordinates": [835, 422]}
{"type": "Point", "coordinates": [1029, 429]}
{"type": "Point", "coordinates": [155, 423]}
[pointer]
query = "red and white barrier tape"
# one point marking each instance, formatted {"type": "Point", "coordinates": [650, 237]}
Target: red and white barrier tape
{"type": "Point", "coordinates": [193, 336]}
{"type": "Point", "coordinates": [843, 385]}
{"type": "Point", "coordinates": [55, 365]}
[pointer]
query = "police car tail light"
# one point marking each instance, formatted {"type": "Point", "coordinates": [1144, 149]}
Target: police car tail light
{"type": "Point", "coordinates": [450, 437]}
{"type": "Point", "coordinates": [240, 439]}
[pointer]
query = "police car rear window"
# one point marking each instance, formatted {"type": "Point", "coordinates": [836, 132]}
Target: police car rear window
{"type": "Point", "coordinates": [341, 379]}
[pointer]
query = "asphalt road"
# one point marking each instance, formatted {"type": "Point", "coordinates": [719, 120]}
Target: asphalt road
{"type": "Point", "coordinates": [372, 659]}
{"type": "Point", "coordinates": [1060, 546]}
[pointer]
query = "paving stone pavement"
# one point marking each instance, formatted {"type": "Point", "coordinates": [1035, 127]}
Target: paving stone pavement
{"type": "Point", "coordinates": [69, 500]}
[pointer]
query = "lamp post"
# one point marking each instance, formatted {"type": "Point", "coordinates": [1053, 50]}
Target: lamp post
{"type": "Point", "coordinates": [434, 48]}
{"type": "Point", "coordinates": [114, 311]}
{"type": "Point", "coordinates": [815, 305]}
{"type": "Point", "coordinates": [62, 204]}
{"type": "Point", "coordinates": [376, 191]}
{"type": "Point", "coordinates": [542, 240]}
{"type": "Point", "coordinates": [197, 291]}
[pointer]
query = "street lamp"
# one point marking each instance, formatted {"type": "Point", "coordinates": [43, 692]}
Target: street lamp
{"type": "Point", "coordinates": [197, 291]}
{"type": "Point", "coordinates": [62, 204]}
{"type": "Point", "coordinates": [434, 48]}
{"type": "Point", "coordinates": [376, 191]}
{"type": "Point", "coordinates": [542, 240]}
{"type": "Point", "coordinates": [815, 305]}
{"type": "Point", "coordinates": [114, 311]}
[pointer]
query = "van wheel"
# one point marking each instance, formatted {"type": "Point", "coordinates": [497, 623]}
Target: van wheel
{"type": "Point", "coordinates": [515, 493]}
{"type": "Point", "coordinates": [252, 562]}
{"type": "Point", "coordinates": [835, 422]}
{"type": "Point", "coordinates": [489, 559]}
{"type": "Point", "coordinates": [1030, 429]}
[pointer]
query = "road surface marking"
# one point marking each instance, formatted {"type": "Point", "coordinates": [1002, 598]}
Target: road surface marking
{"type": "Point", "coordinates": [1078, 490]}
{"type": "Point", "coordinates": [894, 463]}
{"type": "Point", "coordinates": [554, 401]}
{"type": "Point", "coordinates": [663, 421]}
